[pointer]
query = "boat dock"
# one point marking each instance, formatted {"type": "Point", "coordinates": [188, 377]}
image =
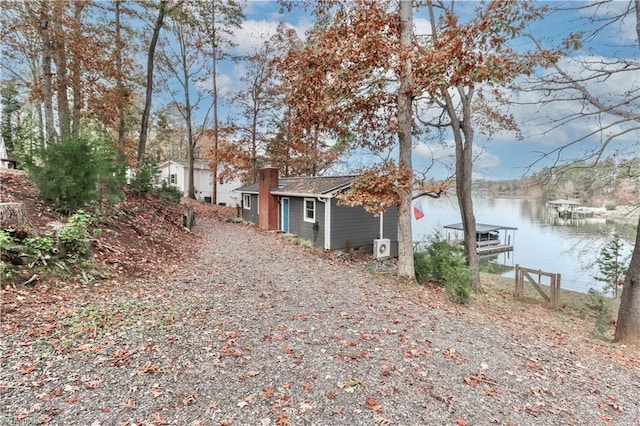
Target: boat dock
{"type": "Point", "coordinates": [489, 240]}
{"type": "Point", "coordinates": [568, 209]}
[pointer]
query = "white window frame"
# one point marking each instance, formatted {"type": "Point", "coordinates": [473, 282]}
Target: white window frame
{"type": "Point", "coordinates": [173, 179]}
{"type": "Point", "coordinates": [305, 211]}
{"type": "Point", "coordinates": [246, 201]}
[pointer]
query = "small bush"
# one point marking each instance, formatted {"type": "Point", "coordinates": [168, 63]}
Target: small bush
{"type": "Point", "coordinates": [600, 307]}
{"type": "Point", "coordinates": [457, 283]}
{"type": "Point", "coordinates": [68, 172]}
{"type": "Point", "coordinates": [431, 263]}
{"type": "Point", "coordinates": [298, 241]}
{"type": "Point", "coordinates": [145, 178]}
{"type": "Point", "coordinates": [6, 240]}
{"type": "Point", "coordinates": [168, 193]}
{"type": "Point", "coordinates": [39, 244]}
{"type": "Point", "coordinates": [75, 235]}
{"type": "Point", "coordinates": [446, 264]}
{"type": "Point", "coordinates": [422, 266]}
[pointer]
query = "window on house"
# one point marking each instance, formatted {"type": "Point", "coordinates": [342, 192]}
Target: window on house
{"type": "Point", "coordinates": [173, 179]}
{"type": "Point", "coordinates": [309, 210]}
{"type": "Point", "coordinates": [246, 201]}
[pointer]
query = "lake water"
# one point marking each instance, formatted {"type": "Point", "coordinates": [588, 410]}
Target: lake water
{"type": "Point", "coordinates": [542, 241]}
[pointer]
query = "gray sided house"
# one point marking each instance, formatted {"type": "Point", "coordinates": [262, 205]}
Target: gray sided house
{"type": "Point", "coordinates": [307, 207]}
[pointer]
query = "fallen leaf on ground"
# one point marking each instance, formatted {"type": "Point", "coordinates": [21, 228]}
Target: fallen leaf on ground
{"type": "Point", "coordinates": [129, 403]}
{"type": "Point", "coordinates": [373, 405]}
{"type": "Point", "coordinates": [26, 369]}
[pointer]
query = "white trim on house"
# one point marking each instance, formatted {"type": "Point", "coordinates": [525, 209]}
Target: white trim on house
{"type": "Point", "coordinates": [327, 221]}
{"type": "Point", "coordinates": [246, 201]}
{"type": "Point", "coordinates": [282, 223]}
{"type": "Point", "coordinates": [305, 210]}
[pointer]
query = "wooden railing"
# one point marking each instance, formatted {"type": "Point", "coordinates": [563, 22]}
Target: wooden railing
{"type": "Point", "coordinates": [553, 299]}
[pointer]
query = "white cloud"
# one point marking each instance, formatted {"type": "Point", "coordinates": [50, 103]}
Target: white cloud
{"type": "Point", "coordinates": [422, 27]}
{"type": "Point", "coordinates": [540, 120]}
{"type": "Point", "coordinates": [441, 158]}
{"type": "Point", "coordinates": [254, 32]}
{"type": "Point", "coordinates": [622, 32]}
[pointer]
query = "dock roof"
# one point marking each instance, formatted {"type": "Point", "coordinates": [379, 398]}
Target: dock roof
{"type": "Point", "coordinates": [561, 202]}
{"type": "Point", "coordinates": [481, 227]}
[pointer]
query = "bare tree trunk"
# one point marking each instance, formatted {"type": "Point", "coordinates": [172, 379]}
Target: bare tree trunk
{"type": "Point", "coordinates": [254, 146]}
{"type": "Point", "coordinates": [628, 325]}
{"type": "Point", "coordinates": [142, 144]}
{"type": "Point", "coordinates": [35, 75]}
{"type": "Point", "coordinates": [314, 163]}
{"type": "Point", "coordinates": [637, 7]}
{"type": "Point", "coordinates": [47, 73]}
{"type": "Point", "coordinates": [187, 101]}
{"type": "Point", "coordinates": [463, 187]}
{"type": "Point", "coordinates": [406, 268]}
{"type": "Point", "coordinates": [463, 137]}
{"type": "Point", "coordinates": [62, 80]}
{"type": "Point", "coordinates": [76, 70]}
{"type": "Point", "coordinates": [464, 158]}
{"type": "Point", "coordinates": [119, 79]}
{"type": "Point", "coordinates": [214, 70]}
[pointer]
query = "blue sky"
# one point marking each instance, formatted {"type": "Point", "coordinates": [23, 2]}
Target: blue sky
{"type": "Point", "coordinates": [502, 156]}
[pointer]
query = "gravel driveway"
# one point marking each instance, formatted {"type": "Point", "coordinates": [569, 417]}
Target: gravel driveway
{"type": "Point", "coordinates": [256, 331]}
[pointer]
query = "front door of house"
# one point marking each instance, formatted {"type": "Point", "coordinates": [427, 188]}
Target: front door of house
{"type": "Point", "coordinates": [285, 214]}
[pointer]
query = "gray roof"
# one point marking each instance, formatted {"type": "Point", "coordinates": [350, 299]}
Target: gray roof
{"type": "Point", "coordinates": [305, 186]}
{"type": "Point", "coordinates": [481, 227]}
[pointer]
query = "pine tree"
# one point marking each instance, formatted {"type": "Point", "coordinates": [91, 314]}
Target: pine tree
{"type": "Point", "coordinates": [612, 265]}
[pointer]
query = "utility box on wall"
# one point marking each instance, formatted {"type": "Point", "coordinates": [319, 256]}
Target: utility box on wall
{"type": "Point", "coordinates": [381, 248]}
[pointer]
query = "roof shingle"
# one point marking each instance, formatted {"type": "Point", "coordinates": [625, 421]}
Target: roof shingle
{"type": "Point", "coordinates": [313, 186]}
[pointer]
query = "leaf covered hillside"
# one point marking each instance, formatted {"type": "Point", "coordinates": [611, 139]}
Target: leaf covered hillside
{"type": "Point", "coordinates": [141, 236]}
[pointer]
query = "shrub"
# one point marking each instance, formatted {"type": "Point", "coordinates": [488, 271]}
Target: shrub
{"type": "Point", "coordinates": [112, 171]}
{"type": "Point", "coordinates": [612, 265]}
{"type": "Point", "coordinates": [445, 263]}
{"type": "Point", "coordinates": [600, 307]}
{"type": "Point", "coordinates": [67, 172]}
{"type": "Point", "coordinates": [422, 266]}
{"type": "Point", "coordinates": [75, 235]}
{"type": "Point", "coordinates": [438, 255]}
{"type": "Point", "coordinates": [457, 283]}
{"type": "Point", "coordinates": [6, 240]}
{"type": "Point", "coordinates": [298, 241]}
{"type": "Point", "coordinates": [39, 244]}
{"type": "Point", "coordinates": [168, 193]}
{"type": "Point", "coordinates": [145, 178]}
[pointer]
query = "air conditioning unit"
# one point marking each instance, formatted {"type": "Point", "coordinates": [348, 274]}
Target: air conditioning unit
{"type": "Point", "coordinates": [381, 248]}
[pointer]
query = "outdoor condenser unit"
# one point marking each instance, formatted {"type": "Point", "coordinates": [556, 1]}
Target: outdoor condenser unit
{"type": "Point", "coordinates": [381, 248]}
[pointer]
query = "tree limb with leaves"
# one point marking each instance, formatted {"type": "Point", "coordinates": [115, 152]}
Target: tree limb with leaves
{"type": "Point", "coordinates": [603, 118]}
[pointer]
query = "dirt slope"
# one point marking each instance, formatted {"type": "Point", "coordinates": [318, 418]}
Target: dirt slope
{"type": "Point", "coordinates": [138, 237]}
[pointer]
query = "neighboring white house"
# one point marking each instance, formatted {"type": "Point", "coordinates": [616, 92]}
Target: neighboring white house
{"type": "Point", "coordinates": [5, 161]}
{"type": "Point", "coordinates": [176, 173]}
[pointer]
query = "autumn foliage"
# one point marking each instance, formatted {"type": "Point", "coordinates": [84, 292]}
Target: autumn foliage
{"type": "Point", "coordinates": [377, 188]}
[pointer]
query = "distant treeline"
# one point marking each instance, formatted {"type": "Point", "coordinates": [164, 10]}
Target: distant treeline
{"type": "Point", "coordinates": [607, 181]}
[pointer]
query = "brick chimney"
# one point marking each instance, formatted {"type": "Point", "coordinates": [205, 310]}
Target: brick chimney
{"type": "Point", "coordinates": [267, 203]}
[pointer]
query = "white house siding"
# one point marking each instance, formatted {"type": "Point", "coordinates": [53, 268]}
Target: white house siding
{"type": "Point", "coordinates": [227, 195]}
{"type": "Point", "coordinates": [202, 181]}
{"type": "Point", "coordinates": [4, 158]}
